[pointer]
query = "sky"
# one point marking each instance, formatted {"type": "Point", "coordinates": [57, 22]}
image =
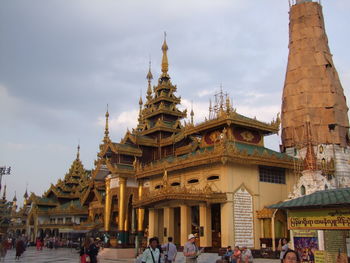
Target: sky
{"type": "Point", "coordinates": [63, 61]}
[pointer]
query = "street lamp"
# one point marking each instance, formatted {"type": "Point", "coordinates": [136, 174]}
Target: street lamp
{"type": "Point", "coordinates": [4, 171]}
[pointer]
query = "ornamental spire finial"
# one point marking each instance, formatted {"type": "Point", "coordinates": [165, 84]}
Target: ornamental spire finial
{"type": "Point", "coordinates": [78, 151]}
{"type": "Point", "coordinates": [149, 78]}
{"type": "Point", "coordinates": [165, 64]}
{"type": "Point", "coordinates": [106, 138]}
{"type": "Point", "coordinates": [192, 113]}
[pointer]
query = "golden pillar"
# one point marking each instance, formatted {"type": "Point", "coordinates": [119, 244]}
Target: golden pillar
{"type": "Point", "coordinates": [185, 223]}
{"type": "Point", "coordinates": [108, 206]}
{"type": "Point", "coordinates": [153, 222]}
{"type": "Point", "coordinates": [227, 227]}
{"type": "Point", "coordinates": [122, 186]}
{"type": "Point", "coordinates": [168, 222]}
{"type": "Point", "coordinates": [122, 210]}
{"type": "Point", "coordinates": [140, 211]}
{"type": "Point", "coordinates": [205, 225]}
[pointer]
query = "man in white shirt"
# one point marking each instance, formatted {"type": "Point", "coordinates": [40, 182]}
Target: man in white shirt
{"type": "Point", "coordinates": [152, 252]}
{"type": "Point", "coordinates": [170, 251]}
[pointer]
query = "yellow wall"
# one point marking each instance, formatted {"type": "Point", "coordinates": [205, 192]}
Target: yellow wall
{"type": "Point", "coordinates": [232, 176]}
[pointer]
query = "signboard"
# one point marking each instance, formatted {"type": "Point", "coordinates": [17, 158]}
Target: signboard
{"type": "Point", "coordinates": [320, 256]}
{"type": "Point", "coordinates": [319, 219]}
{"type": "Point", "coordinates": [243, 218]}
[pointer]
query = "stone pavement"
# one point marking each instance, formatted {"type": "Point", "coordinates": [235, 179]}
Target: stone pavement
{"type": "Point", "coordinates": [71, 256]}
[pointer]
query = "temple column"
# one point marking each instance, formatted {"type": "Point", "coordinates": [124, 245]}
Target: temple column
{"type": "Point", "coordinates": [122, 210]}
{"type": "Point", "coordinates": [205, 225]}
{"type": "Point", "coordinates": [108, 206]}
{"type": "Point", "coordinates": [168, 223]}
{"type": "Point", "coordinates": [185, 223]}
{"type": "Point", "coordinates": [140, 212]}
{"type": "Point", "coordinates": [153, 222]}
{"type": "Point", "coordinates": [227, 227]}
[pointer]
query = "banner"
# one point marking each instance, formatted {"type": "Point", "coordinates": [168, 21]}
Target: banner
{"type": "Point", "coordinates": [319, 219]}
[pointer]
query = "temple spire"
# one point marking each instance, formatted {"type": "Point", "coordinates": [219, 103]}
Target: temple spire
{"type": "Point", "coordinates": [149, 78]}
{"type": "Point", "coordinates": [15, 198]}
{"type": "Point", "coordinates": [192, 113]}
{"type": "Point", "coordinates": [78, 152]}
{"type": "Point", "coordinates": [165, 64]}
{"type": "Point", "coordinates": [106, 138]}
{"type": "Point", "coordinates": [140, 111]}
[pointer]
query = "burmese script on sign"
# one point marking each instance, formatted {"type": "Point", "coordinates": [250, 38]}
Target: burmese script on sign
{"type": "Point", "coordinates": [326, 222]}
{"type": "Point", "coordinates": [243, 218]}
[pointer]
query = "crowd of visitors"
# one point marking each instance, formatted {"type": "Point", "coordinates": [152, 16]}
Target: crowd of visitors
{"type": "Point", "coordinates": [237, 255]}
{"type": "Point", "coordinates": [20, 244]}
{"type": "Point", "coordinates": [89, 250]}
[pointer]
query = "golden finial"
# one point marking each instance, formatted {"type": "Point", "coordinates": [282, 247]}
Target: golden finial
{"type": "Point", "coordinates": [78, 152]}
{"type": "Point", "coordinates": [228, 104]}
{"type": "Point", "coordinates": [15, 197]}
{"type": "Point", "coordinates": [165, 64]}
{"type": "Point", "coordinates": [26, 193]}
{"type": "Point", "coordinates": [149, 78]}
{"type": "Point", "coordinates": [149, 74]}
{"type": "Point", "coordinates": [140, 112]}
{"type": "Point", "coordinates": [192, 113]}
{"type": "Point", "coordinates": [106, 138]}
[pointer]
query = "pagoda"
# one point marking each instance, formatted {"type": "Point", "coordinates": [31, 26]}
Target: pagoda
{"type": "Point", "coordinates": [313, 95]}
{"type": "Point", "coordinates": [59, 211]}
{"type": "Point", "coordinates": [168, 177]}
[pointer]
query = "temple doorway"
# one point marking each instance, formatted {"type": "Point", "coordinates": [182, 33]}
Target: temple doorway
{"type": "Point", "coordinates": [195, 222]}
{"type": "Point", "coordinates": [177, 223]}
{"type": "Point", "coordinates": [216, 225]}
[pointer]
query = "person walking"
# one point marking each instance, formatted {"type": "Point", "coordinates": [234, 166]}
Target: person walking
{"type": "Point", "coordinates": [3, 249]}
{"type": "Point", "coordinates": [84, 251]}
{"type": "Point", "coordinates": [152, 252]}
{"type": "Point", "coordinates": [20, 248]}
{"type": "Point", "coordinates": [170, 251]}
{"type": "Point", "coordinates": [191, 251]}
{"type": "Point", "coordinates": [93, 251]}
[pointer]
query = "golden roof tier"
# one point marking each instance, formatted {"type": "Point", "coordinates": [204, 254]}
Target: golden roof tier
{"type": "Point", "coordinates": [312, 88]}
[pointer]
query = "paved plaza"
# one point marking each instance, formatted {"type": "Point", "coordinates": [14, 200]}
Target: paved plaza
{"type": "Point", "coordinates": [71, 255]}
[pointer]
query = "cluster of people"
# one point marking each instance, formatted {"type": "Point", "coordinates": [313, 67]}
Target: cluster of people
{"type": "Point", "coordinates": [155, 251]}
{"type": "Point", "coordinates": [237, 255]}
{"type": "Point", "coordinates": [89, 250]}
{"type": "Point", "coordinates": [20, 244]}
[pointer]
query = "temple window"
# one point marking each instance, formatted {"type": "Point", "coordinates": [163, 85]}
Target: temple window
{"type": "Point", "coordinates": [68, 220]}
{"type": "Point", "coordinates": [213, 178]}
{"type": "Point", "coordinates": [175, 184]}
{"type": "Point", "coordinates": [273, 175]}
{"type": "Point", "coordinates": [302, 190]}
{"type": "Point", "coordinates": [158, 186]}
{"type": "Point", "coordinates": [60, 220]}
{"type": "Point", "coordinates": [192, 181]}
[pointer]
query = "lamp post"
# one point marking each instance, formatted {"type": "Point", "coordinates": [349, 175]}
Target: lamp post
{"type": "Point", "coordinates": [4, 171]}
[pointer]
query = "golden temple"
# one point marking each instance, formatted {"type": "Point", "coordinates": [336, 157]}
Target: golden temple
{"type": "Point", "coordinates": [168, 177]}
